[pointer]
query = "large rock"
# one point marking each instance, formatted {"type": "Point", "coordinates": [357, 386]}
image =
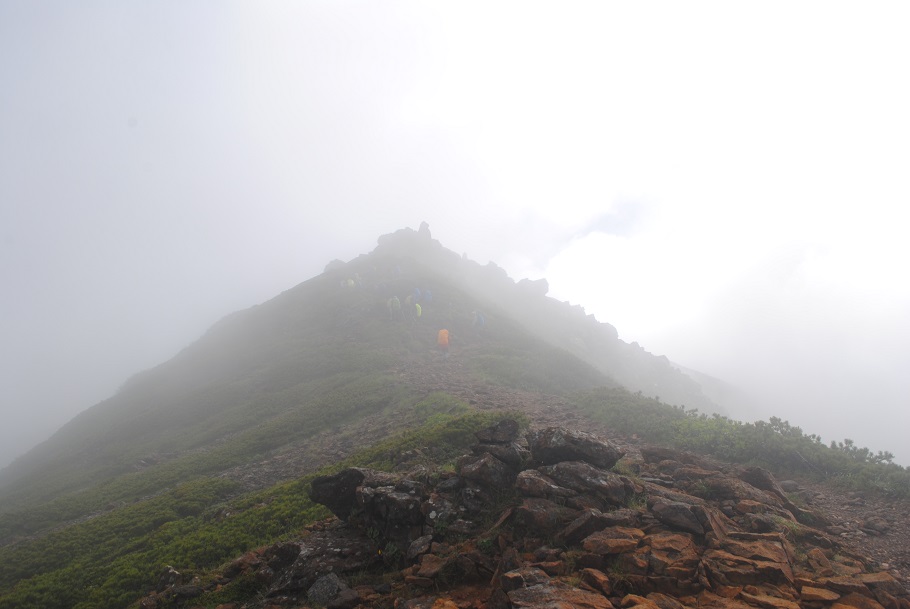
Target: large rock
{"type": "Point", "coordinates": [556, 596]}
{"type": "Point", "coordinates": [555, 444]}
{"type": "Point", "coordinates": [511, 454]}
{"type": "Point", "coordinates": [532, 483]}
{"type": "Point", "coordinates": [338, 549]}
{"type": "Point", "coordinates": [543, 517]}
{"type": "Point", "coordinates": [590, 521]}
{"type": "Point", "coordinates": [615, 540]}
{"type": "Point", "coordinates": [325, 589]}
{"type": "Point", "coordinates": [748, 562]}
{"type": "Point", "coordinates": [503, 432]}
{"type": "Point", "coordinates": [396, 516]}
{"type": "Point", "coordinates": [677, 515]}
{"type": "Point", "coordinates": [488, 471]}
{"type": "Point", "coordinates": [672, 555]}
{"type": "Point", "coordinates": [586, 479]}
{"type": "Point", "coordinates": [338, 491]}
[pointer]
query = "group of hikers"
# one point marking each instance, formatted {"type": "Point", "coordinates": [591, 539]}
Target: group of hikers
{"type": "Point", "coordinates": [412, 307]}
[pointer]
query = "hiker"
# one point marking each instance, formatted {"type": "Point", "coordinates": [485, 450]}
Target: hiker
{"type": "Point", "coordinates": [479, 321]}
{"type": "Point", "coordinates": [416, 294]}
{"type": "Point", "coordinates": [408, 309]}
{"type": "Point", "coordinates": [427, 296]}
{"type": "Point", "coordinates": [442, 341]}
{"type": "Point", "coordinates": [394, 308]}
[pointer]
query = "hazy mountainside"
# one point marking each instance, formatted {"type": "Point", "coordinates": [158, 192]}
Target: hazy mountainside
{"type": "Point", "coordinates": [558, 323]}
{"type": "Point", "coordinates": [249, 375]}
{"type": "Point", "coordinates": [213, 454]}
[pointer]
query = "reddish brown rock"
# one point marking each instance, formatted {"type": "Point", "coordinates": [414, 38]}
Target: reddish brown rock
{"type": "Point", "coordinates": [819, 563]}
{"type": "Point", "coordinates": [665, 602]}
{"type": "Point", "coordinates": [810, 593]}
{"type": "Point", "coordinates": [431, 565]}
{"type": "Point", "coordinates": [709, 600]}
{"type": "Point", "coordinates": [522, 578]}
{"type": "Point", "coordinates": [882, 581]}
{"type": "Point", "coordinates": [633, 600]}
{"type": "Point", "coordinates": [856, 601]}
{"type": "Point", "coordinates": [598, 580]}
{"type": "Point", "coordinates": [615, 540]}
{"type": "Point", "coordinates": [726, 568]}
{"type": "Point", "coordinates": [768, 602]}
{"type": "Point", "coordinates": [672, 555]}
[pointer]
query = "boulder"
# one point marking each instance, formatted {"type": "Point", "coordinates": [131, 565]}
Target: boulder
{"type": "Point", "coordinates": [395, 515]}
{"type": "Point", "coordinates": [488, 471]}
{"type": "Point", "coordinates": [542, 516]}
{"type": "Point", "coordinates": [338, 491]}
{"type": "Point", "coordinates": [532, 483]}
{"type": "Point", "coordinates": [338, 549]}
{"type": "Point", "coordinates": [598, 580]}
{"type": "Point", "coordinates": [677, 515]}
{"type": "Point", "coordinates": [589, 480]}
{"type": "Point", "coordinates": [856, 601]}
{"type": "Point", "coordinates": [672, 555]}
{"type": "Point", "coordinates": [511, 454]}
{"type": "Point", "coordinates": [325, 589]}
{"type": "Point", "coordinates": [747, 567]}
{"type": "Point", "coordinates": [523, 577]}
{"type": "Point", "coordinates": [590, 521]}
{"type": "Point", "coordinates": [555, 595]}
{"type": "Point", "coordinates": [555, 444]}
{"type": "Point", "coordinates": [615, 540]}
{"type": "Point", "coordinates": [503, 432]}
{"type": "Point", "coordinates": [810, 593]}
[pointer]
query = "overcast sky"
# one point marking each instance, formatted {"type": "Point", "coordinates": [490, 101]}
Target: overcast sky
{"type": "Point", "coordinates": [726, 183]}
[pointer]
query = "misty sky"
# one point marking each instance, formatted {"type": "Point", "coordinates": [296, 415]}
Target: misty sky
{"type": "Point", "coordinates": [726, 183]}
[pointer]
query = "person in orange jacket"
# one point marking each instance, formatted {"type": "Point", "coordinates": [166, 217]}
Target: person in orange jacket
{"type": "Point", "coordinates": [442, 340]}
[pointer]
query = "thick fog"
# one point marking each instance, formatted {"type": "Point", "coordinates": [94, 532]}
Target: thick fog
{"type": "Point", "coordinates": [725, 183]}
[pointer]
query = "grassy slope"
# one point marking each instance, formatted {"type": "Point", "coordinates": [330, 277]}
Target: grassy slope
{"type": "Point", "coordinates": [109, 561]}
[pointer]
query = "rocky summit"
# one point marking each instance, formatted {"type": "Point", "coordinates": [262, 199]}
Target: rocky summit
{"type": "Point", "coordinates": [557, 518]}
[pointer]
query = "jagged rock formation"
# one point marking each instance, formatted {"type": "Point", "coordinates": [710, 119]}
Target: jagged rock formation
{"type": "Point", "coordinates": [561, 519]}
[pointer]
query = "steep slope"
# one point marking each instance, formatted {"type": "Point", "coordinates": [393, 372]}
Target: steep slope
{"type": "Point", "coordinates": [261, 377]}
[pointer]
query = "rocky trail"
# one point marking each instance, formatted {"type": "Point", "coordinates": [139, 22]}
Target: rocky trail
{"type": "Point", "coordinates": [543, 522]}
{"type": "Point", "coordinates": [871, 526]}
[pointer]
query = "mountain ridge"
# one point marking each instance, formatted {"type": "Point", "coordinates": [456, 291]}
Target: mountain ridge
{"type": "Point", "coordinates": [229, 346]}
{"type": "Point", "coordinates": [211, 454]}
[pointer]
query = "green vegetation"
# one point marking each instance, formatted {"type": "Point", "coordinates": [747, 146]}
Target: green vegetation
{"type": "Point", "coordinates": [775, 444]}
{"type": "Point", "coordinates": [332, 402]}
{"type": "Point", "coordinates": [107, 560]}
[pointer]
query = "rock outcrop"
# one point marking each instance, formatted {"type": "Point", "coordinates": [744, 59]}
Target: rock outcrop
{"type": "Point", "coordinates": [546, 523]}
